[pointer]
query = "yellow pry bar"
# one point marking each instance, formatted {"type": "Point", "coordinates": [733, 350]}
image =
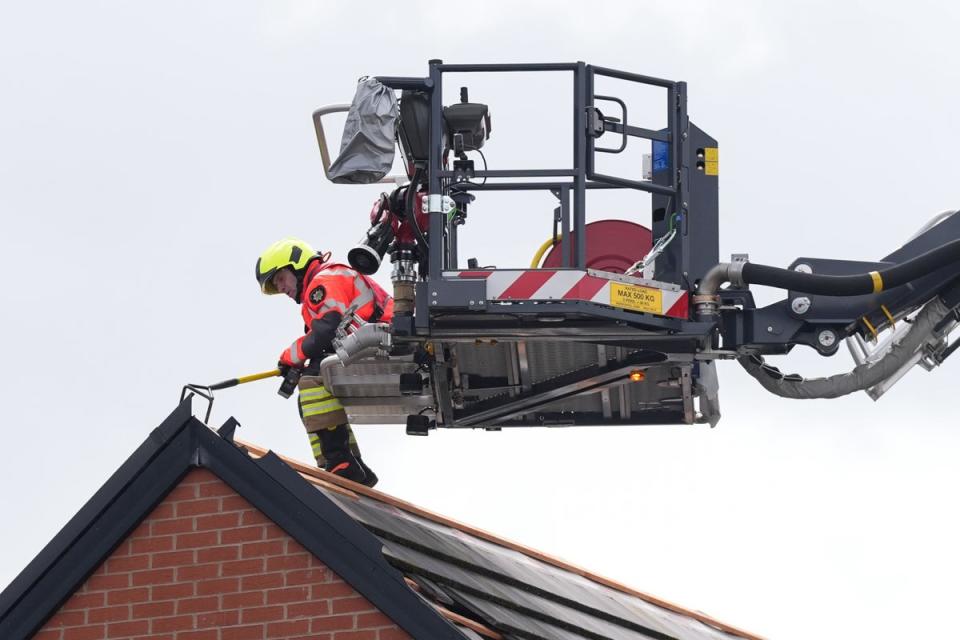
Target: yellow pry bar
{"type": "Point", "coordinates": [258, 376]}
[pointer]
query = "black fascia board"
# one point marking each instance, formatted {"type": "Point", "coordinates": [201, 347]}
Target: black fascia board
{"type": "Point", "coordinates": [182, 443]}
{"type": "Point", "coordinates": [97, 529]}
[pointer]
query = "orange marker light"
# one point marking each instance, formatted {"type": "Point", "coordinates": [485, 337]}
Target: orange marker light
{"type": "Point", "coordinates": [637, 375]}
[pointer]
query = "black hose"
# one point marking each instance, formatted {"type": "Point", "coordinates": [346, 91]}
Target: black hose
{"type": "Point", "coordinates": [410, 204]}
{"type": "Point", "coordinates": [854, 285]}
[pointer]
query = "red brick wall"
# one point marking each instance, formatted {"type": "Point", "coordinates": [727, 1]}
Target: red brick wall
{"type": "Point", "coordinates": [206, 565]}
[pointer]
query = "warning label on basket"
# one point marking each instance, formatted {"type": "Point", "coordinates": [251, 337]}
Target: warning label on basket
{"type": "Point", "coordinates": [628, 296]}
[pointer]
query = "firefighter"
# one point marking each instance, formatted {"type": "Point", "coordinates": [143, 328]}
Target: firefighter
{"type": "Point", "coordinates": [327, 291]}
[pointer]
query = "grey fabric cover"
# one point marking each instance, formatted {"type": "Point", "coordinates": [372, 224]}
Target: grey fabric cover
{"type": "Point", "coordinates": [367, 148]}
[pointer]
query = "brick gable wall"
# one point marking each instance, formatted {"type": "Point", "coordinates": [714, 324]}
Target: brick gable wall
{"type": "Point", "coordinates": [206, 565]}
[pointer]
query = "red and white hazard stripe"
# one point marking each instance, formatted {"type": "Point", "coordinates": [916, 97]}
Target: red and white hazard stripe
{"type": "Point", "coordinates": [573, 284]}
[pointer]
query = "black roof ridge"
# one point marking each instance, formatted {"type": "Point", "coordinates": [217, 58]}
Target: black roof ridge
{"type": "Point", "coordinates": [182, 443]}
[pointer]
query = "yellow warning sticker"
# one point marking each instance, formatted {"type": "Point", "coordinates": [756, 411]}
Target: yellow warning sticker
{"type": "Point", "coordinates": [635, 298]}
{"type": "Point", "coordinates": [712, 168]}
{"type": "Point", "coordinates": [711, 154]}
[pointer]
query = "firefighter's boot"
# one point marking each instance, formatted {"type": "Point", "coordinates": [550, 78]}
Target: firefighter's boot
{"type": "Point", "coordinates": [336, 451]}
{"type": "Point", "coordinates": [372, 478]}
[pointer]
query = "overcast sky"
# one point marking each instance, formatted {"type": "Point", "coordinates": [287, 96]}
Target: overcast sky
{"type": "Point", "coordinates": [149, 152]}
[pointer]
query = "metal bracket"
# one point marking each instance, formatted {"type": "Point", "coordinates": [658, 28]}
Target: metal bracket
{"type": "Point", "coordinates": [436, 203]}
{"type": "Point", "coordinates": [735, 271]}
{"type": "Point", "coordinates": [466, 293]}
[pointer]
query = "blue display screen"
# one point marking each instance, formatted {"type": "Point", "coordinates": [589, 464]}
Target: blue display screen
{"type": "Point", "coordinates": [661, 156]}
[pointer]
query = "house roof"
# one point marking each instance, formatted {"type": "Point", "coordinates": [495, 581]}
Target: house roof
{"type": "Point", "coordinates": [503, 585]}
{"type": "Point", "coordinates": [182, 443]}
{"type": "Point", "coordinates": [434, 577]}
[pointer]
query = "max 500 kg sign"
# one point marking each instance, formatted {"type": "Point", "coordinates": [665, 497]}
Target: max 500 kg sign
{"type": "Point", "coordinates": [636, 298]}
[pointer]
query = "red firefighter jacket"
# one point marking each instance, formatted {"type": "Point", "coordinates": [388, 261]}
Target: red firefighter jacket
{"type": "Point", "coordinates": [330, 291]}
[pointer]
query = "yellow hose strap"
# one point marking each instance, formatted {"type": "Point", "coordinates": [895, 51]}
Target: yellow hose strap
{"type": "Point", "coordinates": [889, 315]}
{"type": "Point", "coordinates": [877, 281]}
{"type": "Point", "coordinates": [258, 376]}
{"type": "Point", "coordinates": [538, 256]}
{"type": "Point", "coordinates": [873, 329]}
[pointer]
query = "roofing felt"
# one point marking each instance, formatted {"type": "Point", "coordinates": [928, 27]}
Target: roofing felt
{"type": "Point", "coordinates": [436, 578]}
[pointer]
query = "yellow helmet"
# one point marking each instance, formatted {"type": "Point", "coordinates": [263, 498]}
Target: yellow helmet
{"type": "Point", "coordinates": [289, 252]}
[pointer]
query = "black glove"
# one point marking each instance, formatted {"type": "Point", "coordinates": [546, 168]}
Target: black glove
{"type": "Point", "coordinates": [290, 380]}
